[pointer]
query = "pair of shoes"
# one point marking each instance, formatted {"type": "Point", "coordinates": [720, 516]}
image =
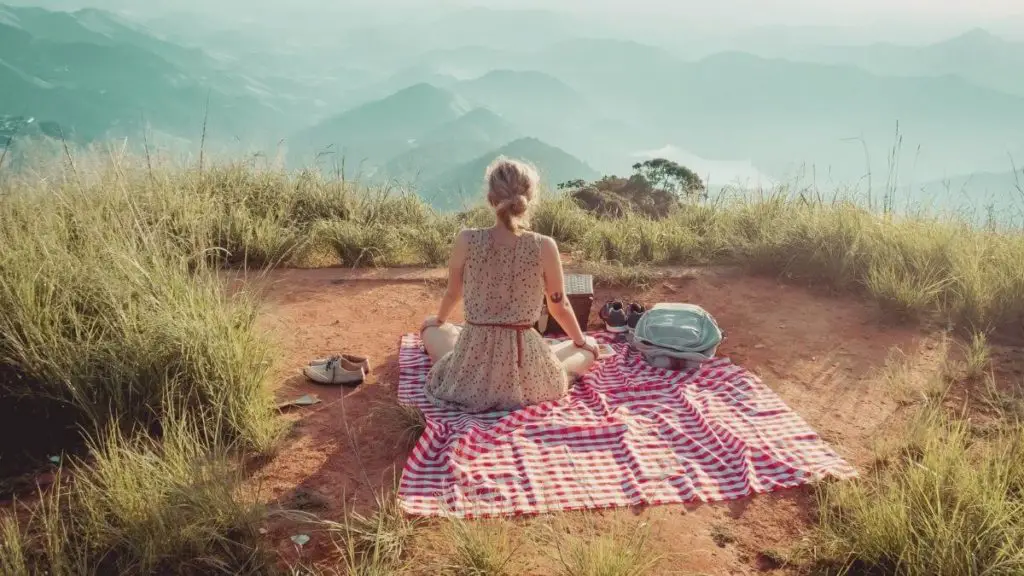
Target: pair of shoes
{"type": "Point", "coordinates": [360, 361]}
{"type": "Point", "coordinates": [337, 370]}
{"type": "Point", "coordinates": [619, 318]}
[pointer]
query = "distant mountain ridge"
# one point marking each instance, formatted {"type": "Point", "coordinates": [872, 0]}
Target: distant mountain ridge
{"type": "Point", "coordinates": [463, 185]}
{"type": "Point", "coordinates": [1006, 186]}
{"type": "Point", "coordinates": [451, 144]}
{"type": "Point", "coordinates": [538, 102]}
{"type": "Point", "coordinates": [97, 77]}
{"type": "Point", "coordinates": [977, 56]}
{"type": "Point", "coordinates": [780, 114]}
{"type": "Point", "coordinates": [93, 26]}
{"type": "Point", "coordinates": [377, 131]}
{"type": "Point", "coordinates": [434, 140]}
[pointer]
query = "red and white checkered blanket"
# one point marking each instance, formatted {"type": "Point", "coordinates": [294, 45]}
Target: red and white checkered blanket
{"type": "Point", "coordinates": [628, 434]}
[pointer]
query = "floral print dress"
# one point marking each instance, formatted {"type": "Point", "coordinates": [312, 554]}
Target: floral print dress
{"type": "Point", "coordinates": [496, 363]}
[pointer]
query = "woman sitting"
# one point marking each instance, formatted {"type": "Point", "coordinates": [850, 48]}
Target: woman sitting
{"type": "Point", "coordinates": [504, 273]}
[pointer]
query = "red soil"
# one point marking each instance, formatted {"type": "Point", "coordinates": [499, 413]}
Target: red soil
{"type": "Point", "coordinates": [823, 355]}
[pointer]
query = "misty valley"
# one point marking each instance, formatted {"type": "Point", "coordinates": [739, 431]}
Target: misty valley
{"type": "Point", "coordinates": [428, 104]}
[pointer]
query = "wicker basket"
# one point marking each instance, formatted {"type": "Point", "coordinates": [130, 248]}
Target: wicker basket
{"type": "Point", "coordinates": [579, 289]}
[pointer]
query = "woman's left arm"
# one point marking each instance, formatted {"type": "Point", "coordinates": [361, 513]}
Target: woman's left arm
{"type": "Point", "coordinates": [456, 264]}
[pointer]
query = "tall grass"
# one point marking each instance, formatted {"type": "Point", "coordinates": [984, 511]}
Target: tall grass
{"type": "Point", "coordinates": [106, 312]}
{"type": "Point", "coordinates": [111, 308]}
{"type": "Point", "coordinates": [143, 506]}
{"type": "Point", "coordinates": [13, 547]}
{"type": "Point", "coordinates": [947, 504]}
{"type": "Point", "coordinates": [375, 544]}
{"type": "Point", "coordinates": [916, 266]}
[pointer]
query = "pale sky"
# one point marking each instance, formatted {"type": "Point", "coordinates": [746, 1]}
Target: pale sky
{"type": "Point", "coordinates": [773, 11]}
{"type": "Point", "coordinates": [718, 14]}
{"type": "Point", "coordinates": [767, 9]}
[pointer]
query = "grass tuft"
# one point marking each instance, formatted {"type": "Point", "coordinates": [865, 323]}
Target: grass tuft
{"type": "Point", "coordinates": [359, 245]}
{"type": "Point", "coordinates": [619, 276]}
{"type": "Point", "coordinates": [480, 548]}
{"type": "Point", "coordinates": [13, 546]}
{"type": "Point", "coordinates": [398, 420]}
{"type": "Point", "coordinates": [977, 357]}
{"type": "Point", "coordinates": [621, 551]}
{"type": "Point", "coordinates": [374, 544]}
{"type": "Point", "coordinates": [431, 243]}
{"type": "Point", "coordinates": [112, 313]}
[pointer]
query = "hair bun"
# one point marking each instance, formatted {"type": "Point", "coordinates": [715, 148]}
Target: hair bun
{"type": "Point", "coordinates": [517, 205]}
{"type": "Point", "coordinates": [511, 187]}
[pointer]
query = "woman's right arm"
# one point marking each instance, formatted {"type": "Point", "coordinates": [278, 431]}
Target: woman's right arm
{"type": "Point", "coordinates": [456, 265]}
{"type": "Point", "coordinates": [558, 303]}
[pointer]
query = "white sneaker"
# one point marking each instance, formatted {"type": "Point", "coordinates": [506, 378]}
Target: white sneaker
{"type": "Point", "coordinates": [333, 373]}
{"type": "Point", "coordinates": [348, 362]}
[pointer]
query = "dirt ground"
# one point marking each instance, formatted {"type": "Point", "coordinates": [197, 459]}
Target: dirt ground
{"type": "Point", "coordinates": [827, 357]}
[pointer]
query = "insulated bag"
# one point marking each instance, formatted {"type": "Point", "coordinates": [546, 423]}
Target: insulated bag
{"type": "Point", "coordinates": [680, 332]}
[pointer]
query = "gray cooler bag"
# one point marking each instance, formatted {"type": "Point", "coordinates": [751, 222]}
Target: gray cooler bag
{"type": "Point", "coordinates": [668, 334]}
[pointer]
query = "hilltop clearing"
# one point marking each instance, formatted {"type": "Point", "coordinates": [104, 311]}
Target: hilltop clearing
{"type": "Point", "coordinates": [145, 337]}
{"type": "Point", "coordinates": [828, 358]}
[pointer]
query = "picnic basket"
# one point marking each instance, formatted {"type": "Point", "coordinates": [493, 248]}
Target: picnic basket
{"type": "Point", "coordinates": [579, 290]}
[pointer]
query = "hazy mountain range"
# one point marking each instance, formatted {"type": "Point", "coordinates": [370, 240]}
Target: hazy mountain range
{"type": "Point", "coordinates": [429, 100]}
{"type": "Point", "coordinates": [977, 56]}
{"type": "Point", "coordinates": [462, 185]}
{"type": "Point", "coordinates": [98, 75]}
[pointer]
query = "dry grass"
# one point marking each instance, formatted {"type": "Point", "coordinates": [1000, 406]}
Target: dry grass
{"type": "Point", "coordinates": [947, 505]}
{"type": "Point", "coordinates": [977, 357]}
{"type": "Point", "coordinates": [619, 550]}
{"type": "Point", "coordinates": [917, 267]}
{"type": "Point", "coordinates": [376, 544]}
{"type": "Point", "coordinates": [380, 539]}
{"type": "Point", "coordinates": [400, 421]}
{"type": "Point", "coordinates": [480, 548]}
{"type": "Point", "coordinates": [919, 378]}
{"type": "Point", "coordinates": [110, 307]}
{"type": "Point", "coordinates": [13, 547]}
{"type": "Point", "coordinates": [946, 494]}
{"type": "Point", "coordinates": [639, 277]}
{"type": "Point", "coordinates": [142, 506]}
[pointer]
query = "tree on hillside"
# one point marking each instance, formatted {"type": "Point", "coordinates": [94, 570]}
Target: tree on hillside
{"type": "Point", "coordinates": [672, 177]}
{"type": "Point", "coordinates": [572, 184]}
{"type": "Point", "coordinates": [614, 196]}
{"type": "Point", "coordinates": [655, 189]}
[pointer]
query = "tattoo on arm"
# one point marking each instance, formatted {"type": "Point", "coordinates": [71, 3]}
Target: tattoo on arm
{"type": "Point", "coordinates": [556, 298]}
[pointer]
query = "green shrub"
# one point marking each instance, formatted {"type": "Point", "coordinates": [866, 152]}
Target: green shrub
{"type": "Point", "coordinates": [560, 219]}
{"type": "Point", "coordinates": [361, 245]}
{"type": "Point", "coordinates": [431, 243]}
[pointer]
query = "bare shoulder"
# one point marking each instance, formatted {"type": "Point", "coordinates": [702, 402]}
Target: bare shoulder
{"type": "Point", "coordinates": [463, 243]}
{"type": "Point", "coordinates": [548, 246]}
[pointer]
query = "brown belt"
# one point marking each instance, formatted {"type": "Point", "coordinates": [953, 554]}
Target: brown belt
{"type": "Point", "coordinates": [520, 339]}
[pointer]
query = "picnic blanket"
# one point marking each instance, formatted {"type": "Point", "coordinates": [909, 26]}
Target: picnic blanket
{"type": "Point", "coordinates": [628, 434]}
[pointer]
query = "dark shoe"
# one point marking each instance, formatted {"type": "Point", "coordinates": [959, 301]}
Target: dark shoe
{"type": "Point", "coordinates": [636, 311]}
{"type": "Point", "coordinates": [614, 316]}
